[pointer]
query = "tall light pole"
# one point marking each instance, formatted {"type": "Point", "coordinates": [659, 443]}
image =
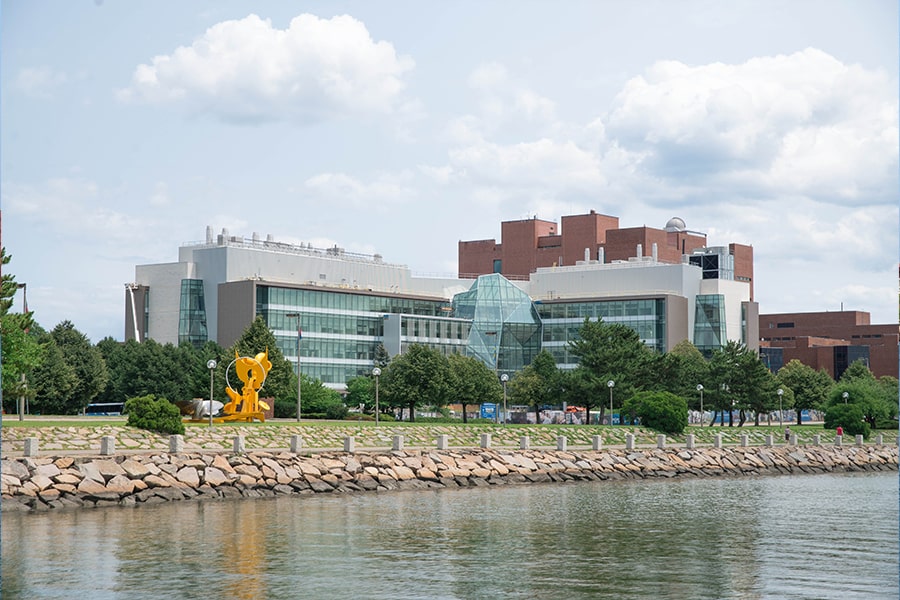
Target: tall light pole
{"type": "Point", "coordinates": [299, 337]}
{"type": "Point", "coordinates": [700, 389]}
{"type": "Point", "coordinates": [211, 365]}
{"type": "Point", "coordinates": [780, 393]}
{"type": "Point", "coordinates": [503, 379]}
{"type": "Point", "coordinates": [845, 395]}
{"type": "Point", "coordinates": [376, 372]}
{"type": "Point", "coordinates": [610, 384]}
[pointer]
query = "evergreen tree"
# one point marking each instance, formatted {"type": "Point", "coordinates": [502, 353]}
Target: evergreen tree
{"type": "Point", "coordinates": [86, 361]}
{"type": "Point", "coordinates": [54, 382]}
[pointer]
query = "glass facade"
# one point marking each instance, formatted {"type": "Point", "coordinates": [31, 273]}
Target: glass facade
{"type": "Point", "coordinates": [709, 323]}
{"type": "Point", "coordinates": [191, 314]}
{"type": "Point", "coordinates": [562, 320]}
{"type": "Point", "coordinates": [342, 330]}
{"type": "Point", "coordinates": [506, 329]}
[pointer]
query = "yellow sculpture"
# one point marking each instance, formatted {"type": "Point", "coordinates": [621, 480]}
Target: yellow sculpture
{"type": "Point", "coordinates": [247, 406]}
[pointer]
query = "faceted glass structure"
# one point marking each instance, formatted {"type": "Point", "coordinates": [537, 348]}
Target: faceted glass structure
{"type": "Point", "coordinates": [709, 323]}
{"type": "Point", "coordinates": [192, 314]}
{"type": "Point", "coordinates": [506, 329]}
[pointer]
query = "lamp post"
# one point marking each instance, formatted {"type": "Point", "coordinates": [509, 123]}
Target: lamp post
{"type": "Point", "coordinates": [610, 384]}
{"type": "Point", "coordinates": [780, 393]}
{"type": "Point", "coordinates": [376, 372]}
{"type": "Point", "coordinates": [299, 336]}
{"type": "Point", "coordinates": [700, 389]}
{"type": "Point", "coordinates": [845, 395]}
{"type": "Point", "coordinates": [503, 379]}
{"type": "Point", "coordinates": [211, 365]}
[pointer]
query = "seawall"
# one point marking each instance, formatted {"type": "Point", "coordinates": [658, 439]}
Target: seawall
{"type": "Point", "coordinates": [58, 482]}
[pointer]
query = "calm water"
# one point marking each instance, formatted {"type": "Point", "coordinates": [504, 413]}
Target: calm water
{"type": "Point", "coordinates": [817, 537]}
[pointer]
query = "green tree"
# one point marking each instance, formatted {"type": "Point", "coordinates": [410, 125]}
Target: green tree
{"type": "Point", "coordinates": [738, 383]}
{"type": "Point", "coordinates": [471, 382]}
{"type": "Point", "coordinates": [21, 353]}
{"type": "Point", "coordinates": [419, 377]}
{"type": "Point", "coordinates": [86, 361]}
{"type": "Point", "coordinates": [526, 388]}
{"type": "Point", "coordinates": [154, 414]}
{"type": "Point", "coordinates": [614, 352]}
{"type": "Point", "coordinates": [361, 390]}
{"type": "Point", "coordinates": [661, 411]}
{"type": "Point", "coordinates": [580, 387]}
{"type": "Point", "coordinates": [809, 387]}
{"type": "Point", "coordinates": [680, 371]}
{"type": "Point", "coordinates": [870, 396]}
{"type": "Point", "coordinates": [382, 358]}
{"type": "Point", "coordinates": [54, 382]}
{"type": "Point", "coordinates": [847, 416]}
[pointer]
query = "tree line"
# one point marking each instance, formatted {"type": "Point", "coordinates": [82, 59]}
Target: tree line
{"type": "Point", "coordinates": [64, 373]}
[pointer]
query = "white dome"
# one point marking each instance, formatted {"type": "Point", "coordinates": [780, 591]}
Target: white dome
{"type": "Point", "coordinates": [675, 224]}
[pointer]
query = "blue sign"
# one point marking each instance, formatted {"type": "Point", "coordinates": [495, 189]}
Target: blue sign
{"type": "Point", "coordinates": [488, 410]}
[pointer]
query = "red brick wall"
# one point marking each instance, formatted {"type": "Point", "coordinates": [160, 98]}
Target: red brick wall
{"type": "Point", "coordinates": [743, 263]}
{"type": "Point", "coordinates": [477, 257]}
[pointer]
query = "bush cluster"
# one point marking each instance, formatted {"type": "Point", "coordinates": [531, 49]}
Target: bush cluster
{"type": "Point", "coordinates": [848, 416]}
{"type": "Point", "coordinates": [661, 411]}
{"type": "Point", "coordinates": [154, 414]}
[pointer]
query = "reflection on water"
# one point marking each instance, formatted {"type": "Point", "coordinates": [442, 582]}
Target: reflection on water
{"type": "Point", "coordinates": [824, 536]}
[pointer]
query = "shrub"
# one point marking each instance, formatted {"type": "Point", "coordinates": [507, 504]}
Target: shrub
{"type": "Point", "coordinates": [848, 416]}
{"type": "Point", "coordinates": [662, 411]}
{"type": "Point", "coordinates": [336, 411]}
{"type": "Point", "coordinates": [154, 414]}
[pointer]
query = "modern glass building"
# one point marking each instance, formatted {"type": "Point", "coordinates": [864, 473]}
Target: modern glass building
{"type": "Point", "coordinates": [347, 305]}
{"type": "Point", "coordinates": [506, 330]}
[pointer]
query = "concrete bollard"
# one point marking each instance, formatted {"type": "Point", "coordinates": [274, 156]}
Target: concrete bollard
{"type": "Point", "coordinates": [689, 441]}
{"type": "Point", "coordinates": [176, 444]}
{"type": "Point", "coordinates": [524, 442]}
{"type": "Point", "coordinates": [879, 439]}
{"type": "Point", "coordinates": [442, 442]}
{"type": "Point", "coordinates": [629, 441]}
{"type": "Point", "coordinates": [349, 444]}
{"type": "Point", "coordinates": [793, 441]}
{"type": "Point", "coordinates": [238, 444]}
{"type": "Point", "coordinates": [485, 440]}
{"type": "Point", "coordinates": [31, 446]}
{"type": "Point", "coordinates": [596, 442]}
{"type": "Point", "coordinates": [717, 441]}
{"type": "Point", "coordinates": [817, 440]}
{"type": "Point", "coordinates": [770, 440]}
{"type": "Point", "coordinates": [745, 440]}
{"type": "Point", "coordinates": [859, 440]}
{"type": "Point", "coordinates": [107, 445]}
{"type": "Point", "coordinates": [397, 443]}
{"type": "Point", "coordinates": [296, 443]}
{"type": "Point", "coordinates": [838, 440]}
{"type": "Point", "coordinates": [561, 443]}
{"type": "Point", "coordinates": [661, 442]}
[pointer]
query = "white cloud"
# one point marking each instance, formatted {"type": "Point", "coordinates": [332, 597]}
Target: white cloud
{"type": "Point", "coordinates": [343, 189]}
{"type": "Point", "coordinates": [249, 71]}
{"type": "Point", "coordinates": [803, 123]}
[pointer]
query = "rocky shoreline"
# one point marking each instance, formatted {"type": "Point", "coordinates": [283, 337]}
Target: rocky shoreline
{"type": "Point", "coordinates": [41, 483]}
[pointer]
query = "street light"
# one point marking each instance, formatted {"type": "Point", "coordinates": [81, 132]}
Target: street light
{"type": "Point", "coordinates": [299, 336]}
{"type": "Point", "coordinates": [211, 365]}
{"type": "Point", "coordinates": [376, 372]}
{"type": "Point", "coordinates": [503, 379]}
{"type": "Point", "coordinates": [845, 395]}
{"type": "Point", "coordinates": [780, 393]}
{"type": "Point", "coordinates": [610, 384]}
{"type": "Point", "coordinates": [700, 389]}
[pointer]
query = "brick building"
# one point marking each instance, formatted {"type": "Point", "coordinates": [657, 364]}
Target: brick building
{"type": "Point", "coordinates": [529, 244]}
{"type": "Point", "coordinates": [830, 341]}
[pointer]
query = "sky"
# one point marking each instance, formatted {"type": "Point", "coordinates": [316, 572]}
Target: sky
{"type": "Point", "coordinates": [403, 127]}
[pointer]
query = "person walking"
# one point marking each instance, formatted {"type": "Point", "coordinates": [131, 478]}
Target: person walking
{"type": "Point", "coordinates": [787, 435]}
{"type": "Point", "coordinates": [840, 431]}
